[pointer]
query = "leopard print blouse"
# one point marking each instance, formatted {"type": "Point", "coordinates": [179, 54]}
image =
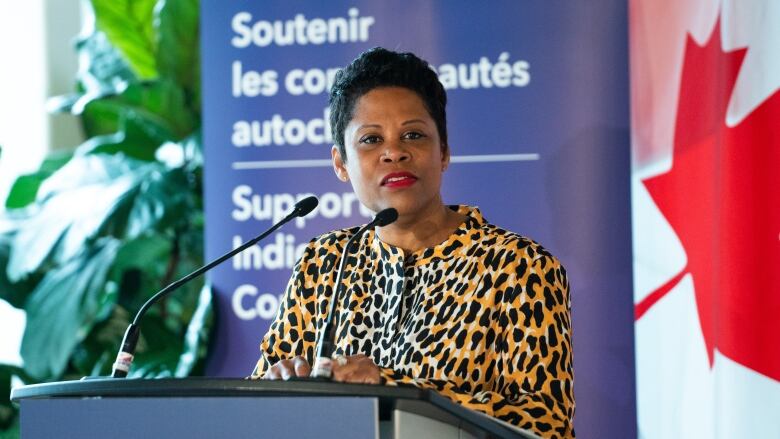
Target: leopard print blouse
{"type": "Point", "coordinates": [483, 318]}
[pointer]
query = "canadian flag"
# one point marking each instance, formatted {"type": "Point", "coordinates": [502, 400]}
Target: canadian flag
{"type": "Point", "coordinates": [705, 76]}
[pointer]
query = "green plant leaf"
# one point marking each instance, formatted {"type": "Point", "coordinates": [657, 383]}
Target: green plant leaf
{"type": "Point", "coordinates": [161, 200]}
{"type": "Point", "coordinates": [193, 151]}
{"type": "Point", "coordinates": [102, 70]}
{"type": "Point", "coordinates": [7, 411]}
{"type": "Point", "coordinates": [177, 29]}
{"type": "Point", "coordinates": [131, 140]}
{"type": "Point", "coordinates": [158, 350]}
{"type": "Point", "coordinates": [156, 109]}
{"type": "Point", "coordinates": [108, 144]}
{"type": "Point", "coordinates": [123, 217]}
{"type": "Point", "coordinates": [197, 335]}
{"type": "Point", "coordinates": [15, 293]}
{"type": "Point", "coordinates": [95, 355]}
{"type": "Point", "coordinates": [25, 188]}
{"type": "Point", "coordinates": [175, 343]}
{"type": "Point", "coordinates": [128, 25]}
{"type": "Point", "coordinates": [12, 431]}
{"type": "Point", "coordinates": [96, 194]}
{"type": "Point", "coordinates": [174, 333]}
{"type": "Point", "coordinates": [139, 268]}
{"type": "Point", "coordinates": [74, 205]}
{"type": "Point", "coordinates": [88, 170]}
{"type": "Point", "coordinates": [64, 307]}
{"type": "Point", "coordinates": [144, 253]}
{"type": "Point", "coordinates": [62, 103]}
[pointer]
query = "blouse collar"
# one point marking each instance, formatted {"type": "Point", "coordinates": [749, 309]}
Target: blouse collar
{"type": "Point", "coordinates": [391, 254]}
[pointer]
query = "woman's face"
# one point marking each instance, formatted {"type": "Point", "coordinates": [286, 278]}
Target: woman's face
{"type": "Point", "coordinates": [394, 154]}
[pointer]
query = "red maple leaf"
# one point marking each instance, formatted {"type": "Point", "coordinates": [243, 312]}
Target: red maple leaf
{"type": "Point", "coordinates": [722, 198]}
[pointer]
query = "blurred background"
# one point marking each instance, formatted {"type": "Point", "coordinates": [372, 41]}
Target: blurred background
{"type": "Point", "coordinates": [48, 66]}
{"type": "Point", "coordinates": [100, 177]}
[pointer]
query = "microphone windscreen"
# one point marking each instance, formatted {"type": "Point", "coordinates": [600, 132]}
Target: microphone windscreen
{"type": "Point", "coordinates": [306, 205]}
{"type": "Point", "coordinates": [385, 217]}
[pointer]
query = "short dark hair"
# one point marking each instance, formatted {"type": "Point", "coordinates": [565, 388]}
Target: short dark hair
{"type": "Point", "coordinates": [380, 67]}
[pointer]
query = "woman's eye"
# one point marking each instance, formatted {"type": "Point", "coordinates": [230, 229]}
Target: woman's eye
{"type": "Point", "coordinates": [413, 135]}
{"type": "Point", "coordinates": [370, 139]}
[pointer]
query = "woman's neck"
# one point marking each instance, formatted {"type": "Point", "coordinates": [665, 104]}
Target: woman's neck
{"type": "Point", "coordinates": [416, 233]}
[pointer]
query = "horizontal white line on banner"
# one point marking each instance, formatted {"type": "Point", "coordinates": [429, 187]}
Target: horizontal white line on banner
{"type": "Point", "coordinates": [325, 163]}
{"type": "Point", "coordinates": [494, 158]}
{"type": "Point", "coordinates": [270, 164]}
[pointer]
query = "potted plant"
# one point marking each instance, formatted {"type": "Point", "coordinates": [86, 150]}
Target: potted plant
{"type": "Point", "coordinates": [97, 230]}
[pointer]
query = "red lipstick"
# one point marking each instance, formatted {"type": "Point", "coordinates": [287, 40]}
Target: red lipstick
{"type": "Point", "coordinates": [399, 179]}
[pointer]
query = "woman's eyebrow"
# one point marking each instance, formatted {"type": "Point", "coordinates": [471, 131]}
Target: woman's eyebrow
{"type": "Point", "coordinates": [414, 121]}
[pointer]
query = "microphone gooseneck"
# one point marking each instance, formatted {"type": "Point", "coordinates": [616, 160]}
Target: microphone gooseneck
{"type": "Point", "coordinates": [323, 365]}
{"type": "Point", "coordinates": [124, 358]}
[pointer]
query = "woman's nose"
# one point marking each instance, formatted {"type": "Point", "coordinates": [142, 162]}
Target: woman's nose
{"type": "Point", "coordinates": [395, 152]}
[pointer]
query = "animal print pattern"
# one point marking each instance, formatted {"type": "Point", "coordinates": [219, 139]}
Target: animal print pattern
{"type": "Point", "coordinates": [483, 318]}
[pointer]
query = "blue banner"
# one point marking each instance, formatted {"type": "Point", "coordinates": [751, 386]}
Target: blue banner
{"type": "Point", "coordinates": [538, 129]}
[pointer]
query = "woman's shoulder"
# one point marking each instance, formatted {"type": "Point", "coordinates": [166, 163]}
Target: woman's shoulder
{"type": "Point", "coordinates": [335, 237]}
{"type": "Point", "coordinates": [493, 239]}
{"type": "Point", "coordinates": [518, 247]}
{"type": "Point", "coordinates": [332, 242]}
{"type": "Point", "coordinates": [514, 240]}
{"type": "Point", "coordinates": [529, 261]}
{"type": "Point", "coordinates": [326, 247]}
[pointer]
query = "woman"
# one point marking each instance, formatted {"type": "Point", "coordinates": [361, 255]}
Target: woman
{"type": "Point", "coordinates": [440, 298]}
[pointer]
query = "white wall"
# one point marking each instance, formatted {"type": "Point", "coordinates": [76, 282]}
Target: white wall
{"type": "Point", "coordinates": [37, 61]}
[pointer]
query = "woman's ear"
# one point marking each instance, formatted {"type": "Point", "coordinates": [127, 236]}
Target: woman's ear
{"type": "Point", "coordinates": [338, 164]}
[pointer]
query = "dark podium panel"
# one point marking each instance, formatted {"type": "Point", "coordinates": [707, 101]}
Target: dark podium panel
{"type": "Point", "coordinates": [235, 408]}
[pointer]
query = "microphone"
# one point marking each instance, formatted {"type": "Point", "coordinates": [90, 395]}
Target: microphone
{"type": "Point", "coordinates": [323, 365]}
{"type": "Point", "coordinates": [124, 358]}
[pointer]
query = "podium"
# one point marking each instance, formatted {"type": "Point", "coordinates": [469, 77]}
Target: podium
{"type": "Point", "coordinates": [237, 408]}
